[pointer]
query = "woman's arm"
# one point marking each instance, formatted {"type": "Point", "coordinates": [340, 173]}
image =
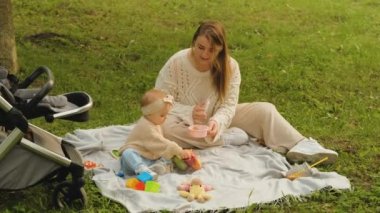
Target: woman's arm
{"type": "Point", "coordinates": [225, 111]}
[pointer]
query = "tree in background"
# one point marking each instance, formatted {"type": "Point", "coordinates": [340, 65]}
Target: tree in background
{"type": "Point", "coordinates": [8, 55]}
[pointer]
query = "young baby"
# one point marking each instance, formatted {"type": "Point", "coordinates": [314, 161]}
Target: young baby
{"type": "Point", "coordinates": [146, 149]}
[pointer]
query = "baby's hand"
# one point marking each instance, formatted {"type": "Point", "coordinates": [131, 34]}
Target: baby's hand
{"type": "Point", "coordinates": [186, 153]}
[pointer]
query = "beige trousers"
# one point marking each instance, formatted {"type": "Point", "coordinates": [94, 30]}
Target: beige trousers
{"type": "Point", "coordinates": [259, 119]}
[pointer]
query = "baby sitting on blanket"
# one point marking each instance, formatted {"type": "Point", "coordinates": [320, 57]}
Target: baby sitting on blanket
{"type": "Point", "coordinates": [147, 150]}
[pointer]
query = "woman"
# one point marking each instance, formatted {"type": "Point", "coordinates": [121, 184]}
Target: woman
{"type": "Point", "coordinates": [206, 71]}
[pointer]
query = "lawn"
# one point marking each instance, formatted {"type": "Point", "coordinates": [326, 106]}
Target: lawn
{"type": "Point", "coordinates": [317, 61]}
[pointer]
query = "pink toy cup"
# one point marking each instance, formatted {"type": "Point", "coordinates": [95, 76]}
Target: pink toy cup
{"type": "Point", "coordinates": [198, 130]}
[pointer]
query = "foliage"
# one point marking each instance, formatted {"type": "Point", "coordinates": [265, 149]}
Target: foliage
{"type": "Point", "coordinates": [317, 61]}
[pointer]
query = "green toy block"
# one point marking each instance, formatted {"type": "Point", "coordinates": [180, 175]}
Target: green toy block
{"type": "Point", "coordinates": [152, 186]}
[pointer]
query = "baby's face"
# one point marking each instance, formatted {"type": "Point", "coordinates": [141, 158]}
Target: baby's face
{"type": "Point", "coordinates": [159, 117]}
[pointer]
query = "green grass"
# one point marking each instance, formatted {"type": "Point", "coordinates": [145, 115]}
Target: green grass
{"type": "Point", "coordinates": [317, 61]}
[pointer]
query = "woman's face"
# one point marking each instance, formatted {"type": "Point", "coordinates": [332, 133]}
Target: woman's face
{"type": "Point", "coordinates": [204, 53]}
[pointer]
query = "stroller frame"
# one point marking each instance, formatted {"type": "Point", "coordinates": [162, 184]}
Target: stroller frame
{"type": "Point", "coordinates": [65, 193]}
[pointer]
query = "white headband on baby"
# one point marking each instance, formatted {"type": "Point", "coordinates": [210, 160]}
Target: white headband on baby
{"type": "Point", "coordinates": [156, 105]}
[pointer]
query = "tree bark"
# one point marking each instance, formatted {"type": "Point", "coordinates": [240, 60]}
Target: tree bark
{"type": "Point", "coordinates": [8, 54]}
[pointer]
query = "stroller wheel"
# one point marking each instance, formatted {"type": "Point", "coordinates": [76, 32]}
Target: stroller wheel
{"type": "Point", "coordinates": [66, 195]}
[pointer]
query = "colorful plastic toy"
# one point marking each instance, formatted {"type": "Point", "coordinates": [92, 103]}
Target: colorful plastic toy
{"type": "Point", "coordinates": [193, 161]}
{"type": "Point", "coordinates": [140, 186]}
{"type": "Point", "coordinates": [144, 177]}
{"type": "Point", "coordinates": [152, 186]}
{"type": "Point", "coordinates": [183, 164]}
{"type": "Point", "coordinates": [131, 182]}
{"type": "Point", "coordinates": [148, 186]}
{"type": "Point", "coordinates": [179, 163]}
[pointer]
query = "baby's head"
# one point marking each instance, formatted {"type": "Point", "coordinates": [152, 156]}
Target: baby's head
{"type": "Point", "coordinates": [155, 105]}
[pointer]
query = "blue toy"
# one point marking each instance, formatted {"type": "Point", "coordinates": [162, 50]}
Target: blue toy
{"type": "Point", "coordinates": [144, 177]}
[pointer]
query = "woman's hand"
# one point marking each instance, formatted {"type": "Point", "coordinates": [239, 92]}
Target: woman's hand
{"type": "Point", "coordinates": [199, 114]}
{"type": "Point", "coordinates": [212, 128]}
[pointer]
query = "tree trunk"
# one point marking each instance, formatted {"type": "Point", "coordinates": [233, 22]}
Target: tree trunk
{"type": "Point", "coordinates": [8, 55]}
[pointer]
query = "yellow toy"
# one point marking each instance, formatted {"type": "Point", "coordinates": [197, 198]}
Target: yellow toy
{"type": "Point", "coordinates": [196, 192]}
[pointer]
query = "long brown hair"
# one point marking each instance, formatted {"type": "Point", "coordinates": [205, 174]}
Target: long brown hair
{"type": "Point", "coordinates": [220, 68]}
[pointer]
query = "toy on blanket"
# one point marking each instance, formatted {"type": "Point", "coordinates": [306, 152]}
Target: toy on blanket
{"type": "Point", "coordinates": [89, 165]}
{"type": "Point", "coordinates": [182, 164]}
{"type": "Point", "coordinates": [143, 182]}
{"type": "Point", "coordinates": [193, 161]}
{"type": "Point", "coordinates": [179, 163]}
{"type": "Point", "coordinates": [302, 170]}
{"type": "Point", "coordinates": [195, 190]}
{"type": "Point", "coordinates": [115, 154]}
{"type": "Point", "coordinates": [186, 186]}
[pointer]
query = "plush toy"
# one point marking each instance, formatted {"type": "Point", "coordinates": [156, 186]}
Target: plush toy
{"type": "Point", "coordinates": [195, 191]}
{"type": "Point", "coordinates": [186, 186]}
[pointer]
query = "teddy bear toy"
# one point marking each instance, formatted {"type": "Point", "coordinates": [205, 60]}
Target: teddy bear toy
{"type": "Point", "coordinates": [195, 191]}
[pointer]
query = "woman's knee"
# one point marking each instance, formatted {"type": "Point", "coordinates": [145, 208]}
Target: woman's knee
{"type": "Point", "coordinates": [251, 114]}
{"type": "Point", "coordinates": [265, 108]}
{"type": "Point", "coordinates": [268, 107]}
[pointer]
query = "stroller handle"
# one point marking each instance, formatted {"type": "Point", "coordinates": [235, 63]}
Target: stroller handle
{"type": "Point", "coordinates": [12, 117]}
{"type": "Point", "coordinates": [45, 89]}
{"type": "Point", "coordinates": [15, 136]}
{"type": "Point", "coordinates": [4, 105]}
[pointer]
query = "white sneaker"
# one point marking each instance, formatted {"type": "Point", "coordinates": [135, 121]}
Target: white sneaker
{"type": "Point", "coordinates": [144, 168]}
{"type": "Point", "coordinates": [234, 136]}
{"type": "Point", "coordinates": [310, 150]}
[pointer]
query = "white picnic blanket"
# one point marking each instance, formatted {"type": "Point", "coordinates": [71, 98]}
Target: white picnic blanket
{"type": "Point", "coordinates": [240, 175]}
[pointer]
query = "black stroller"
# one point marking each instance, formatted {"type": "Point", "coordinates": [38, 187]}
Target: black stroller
{"type": "Point", "coordinates": [48, 157]}
{"type": "Point", "coordinates": [31, 97]}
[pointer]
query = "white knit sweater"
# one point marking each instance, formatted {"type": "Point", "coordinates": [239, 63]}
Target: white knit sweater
{"type": "Point", "coordinates": [189, 86]}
